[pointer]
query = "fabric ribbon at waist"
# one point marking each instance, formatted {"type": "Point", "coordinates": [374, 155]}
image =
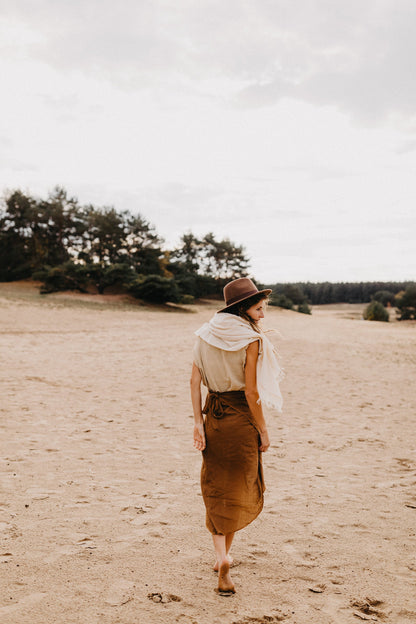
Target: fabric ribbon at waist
{"type": "Point", "coordinates": [219, 404]}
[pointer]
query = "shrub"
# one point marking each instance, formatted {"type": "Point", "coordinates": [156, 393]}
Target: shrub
{"type": "Point", "coordinates": [375, 311]}
{"type": "Point", "coordinates": [187, 299]}
{"type": "Point", "coordinates": [406, 302]}
{"type": "Point", "coordinates": [155, 289]}
{"type": "Point", "coordinates": [197, 285]}
{"type": "Point", "coordinates": [281, 301]}
{"type": "Point", "coordinates": [303, 308]}
{"type": "Point", "coordinates": [120, 274]}
{"type": "Point", "coordinates": [67, 276]}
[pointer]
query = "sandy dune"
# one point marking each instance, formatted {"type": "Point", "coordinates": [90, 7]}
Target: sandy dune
{"type": "Point", "coordinates": [101, 518]}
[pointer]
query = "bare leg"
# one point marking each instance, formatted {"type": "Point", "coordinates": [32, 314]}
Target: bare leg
{"type": "Point", "coordinates": [228, 541]}
{"type": "Point", "coordinates": [224, 579]}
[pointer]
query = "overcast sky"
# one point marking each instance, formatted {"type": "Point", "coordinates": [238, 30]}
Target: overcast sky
{"type": "Point", "coordinates": [288, 126]}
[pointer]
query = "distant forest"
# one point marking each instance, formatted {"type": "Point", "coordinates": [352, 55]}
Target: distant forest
{"type": "Point", "coordinates": [320, 293]}
{"type": "Point", "coordinates": [69, 246]}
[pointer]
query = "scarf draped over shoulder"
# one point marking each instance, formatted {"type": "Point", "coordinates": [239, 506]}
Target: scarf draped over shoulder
{"type": "Point", "coordinates": [232, 333]}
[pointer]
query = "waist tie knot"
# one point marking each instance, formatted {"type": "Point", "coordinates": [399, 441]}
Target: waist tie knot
{"type": "Point", "coordinates": [218, 404]}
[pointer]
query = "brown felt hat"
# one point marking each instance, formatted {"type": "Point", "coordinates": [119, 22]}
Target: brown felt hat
{"type": "Point", "coordinates": [240, 289]}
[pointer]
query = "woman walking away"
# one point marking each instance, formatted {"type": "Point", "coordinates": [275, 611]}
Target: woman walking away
{"type": "Point", "coordinates": [237, 363]}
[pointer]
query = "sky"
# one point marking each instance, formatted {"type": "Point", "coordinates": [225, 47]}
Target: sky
{"type": "Point", "coordinates": [287, 126]}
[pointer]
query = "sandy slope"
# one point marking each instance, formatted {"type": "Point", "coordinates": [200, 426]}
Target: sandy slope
{"type": "Point", "coordinates": [100, 505]}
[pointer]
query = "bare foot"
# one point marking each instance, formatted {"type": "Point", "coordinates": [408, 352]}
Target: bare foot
{"type": "Point", "coordinates": [217, 565]}
{"type": "Point", "coordinates": [225, 583]}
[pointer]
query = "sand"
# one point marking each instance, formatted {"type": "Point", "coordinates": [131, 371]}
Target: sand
{"type": "Point", "coordinates": [101, 517]}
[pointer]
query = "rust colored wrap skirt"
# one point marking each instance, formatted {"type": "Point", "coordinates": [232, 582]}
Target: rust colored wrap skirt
{"type": "Point", "coordinates": [232, 476]}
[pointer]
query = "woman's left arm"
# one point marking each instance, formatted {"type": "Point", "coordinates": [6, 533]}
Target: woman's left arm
{"type": "Point", "coordinates": [199, 432]}
{"type": "Point", "coordinates": [252, 394]}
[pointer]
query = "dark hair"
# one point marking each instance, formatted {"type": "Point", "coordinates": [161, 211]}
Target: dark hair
{"type": "Point", "coordinates": [240, 309]}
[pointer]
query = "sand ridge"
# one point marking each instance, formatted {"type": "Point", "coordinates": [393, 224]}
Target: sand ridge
{"type": "Point", "coordinates": [101, 518]}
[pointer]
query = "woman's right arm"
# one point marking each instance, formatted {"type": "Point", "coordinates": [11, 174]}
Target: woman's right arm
{"type": "Point", "coordinates": [199, 433]}
{"type": "Point", "coordinates": [252, 394]}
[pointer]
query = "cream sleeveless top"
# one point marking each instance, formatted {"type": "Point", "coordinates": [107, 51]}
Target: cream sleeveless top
{"type": "Point", "coordinates": [221, 371]}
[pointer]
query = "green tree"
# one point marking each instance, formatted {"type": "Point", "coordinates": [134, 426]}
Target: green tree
{"type": "Point", "coordinates": [385, 297]}
{"type": "Point", "coordinates": [104, 236]}
{"type": "Point", "coordinates": [36, 233]}
{"type": "Point", "coordinates": [406, 302]}
{"type": "Point", "coordinates": [61, 228]}
{"type": "Point", "coordinates": [17, 250]}
{"type": "Point", "coordinates": [186, 258]}
{"type": "Point", "coordinates": [121, 238]}
{"type": "Point", "coordinates": [142, 245]}
{"type": "Point", "coordinates": [201, 266]}
{"type": "Point", "coordinates": [222, 259]}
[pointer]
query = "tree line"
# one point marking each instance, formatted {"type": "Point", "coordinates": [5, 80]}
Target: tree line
{"type": "Point", "coordinates": [67, 245]}
{"type": "Point", "coordinates": [378, 295]}
{"type": "Point", "coordinates": [321, 293]}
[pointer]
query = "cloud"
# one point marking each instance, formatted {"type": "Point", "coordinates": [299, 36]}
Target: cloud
{"type": "Point", "coordinates": [5, 141]}
{"type": "Point", "coordinates": [406, 147]}
{"type": "Point", "coordinates": [352, 55]}
{"type": "Point", "coordinates": [16, 165]}
{"type": "Point", "coordinates": [357, 57]}
{"type": "Point", "coordinates": [9, 162]}
{"type": "Point", "coordinates": [318, 171]}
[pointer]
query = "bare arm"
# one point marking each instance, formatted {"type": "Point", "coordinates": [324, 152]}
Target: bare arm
{"type": "Point", "coordinates": [199, 433]}
{"type": "Point", "coordinates": [252, 394]}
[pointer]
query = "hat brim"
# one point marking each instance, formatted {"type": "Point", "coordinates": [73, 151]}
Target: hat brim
{"type": "Point", "coordinates": [265, 291]}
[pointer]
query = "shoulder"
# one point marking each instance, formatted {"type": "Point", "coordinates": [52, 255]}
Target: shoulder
{"type": "Point", "coordinates": [253, 348]}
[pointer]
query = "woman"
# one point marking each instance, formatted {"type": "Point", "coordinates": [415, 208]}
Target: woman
{"type": "Point", "coordinates": [237, 363]}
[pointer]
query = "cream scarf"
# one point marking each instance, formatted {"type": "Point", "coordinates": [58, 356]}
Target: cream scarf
{"type": "Point", "coordinates": [231, 333]}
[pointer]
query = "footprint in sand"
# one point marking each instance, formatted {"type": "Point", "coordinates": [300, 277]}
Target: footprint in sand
{"type": "Point", "coordinates": [87, 542]}
{"type": "Point", "coordinates": [405, 464]}
{"type": "Point", "coordinates": [10, 531]}
{"type": "Point", "coordinates": [317, 589]}
{"type": "Point", "coordinates": [134, 510]}
{"type": "Point", "coordinates": [258, 553]}
{"type": "Point", "coordinates": [163, 598]}
{"type": "Point", "coordinates": [38, 494]}
{"type": "Point", "coordinates": [279, 617]}
{"type": "Point", "coordinates": [368, 609]}
{"type": "Point", "coordinates": [6, 557]}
